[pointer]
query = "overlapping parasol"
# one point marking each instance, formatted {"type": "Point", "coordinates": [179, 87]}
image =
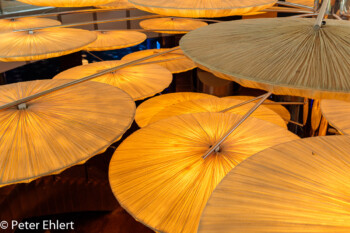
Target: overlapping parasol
{"type": "Point", "coordinates": [337, 114]}
{"type": "Point", "coordinates": [139, 81]}
{"type": "Point", "coordinates": [9, 25]}
{"type": "Point", "coordinates": [66, 3]}
{"type": "Point", "coordinates": [117, 4]}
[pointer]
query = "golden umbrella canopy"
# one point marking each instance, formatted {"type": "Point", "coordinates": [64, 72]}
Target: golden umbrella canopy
{"type": "Point", "coordinates": [60, 129]}
{"type": "Point", "coordinates": [217, 105]}
{"type": "Point", "coordinates": [337, 114]}
{"type": "Point", "coordinates": [117, 4]}
{"type": "Point", "coordinates": [140, 81]}
{"type": "Point", "coordinates": [284, 56]}
{"type": "Point", "coordinates": [66, 3]}
{"type": "Point", "coordinates": [202, 8]}
{"type": "Point", "coordinates": [159, 176]}
{"type": "Point", "coordinates": [277, 108]}
{"type": "Point", "coordinates": [43, 44]}
{"type": "Point", "coordinates": [151, 107]}
{"type": "Point", "coordinates": [300, 186]}
{"type": "Point", "coordinates": [110, 40]}
{"type": "Point", "coordinates": [9, 25]}
{"type": "Point", "coordinates": [172, 24]}
{"type": "Point", "coordinates": [174, 61]}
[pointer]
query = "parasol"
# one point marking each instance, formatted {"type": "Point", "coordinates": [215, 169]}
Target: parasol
{"type": "Point", "coordinates": [217, 105]}
{"type": "Point", "coordinates": [300, 186]}
{"type": "Point", "coordinates": [117, 4]}
{"type": "Point", "coordinates": [174, 61]}
{"type": "Point", "coordinates": [176, 24]}
{"type": "Point", "coordinates": [159, 176]}
{"type": "Point", "coordinates": [202, 8]}
{"type": "Point", "coordinates": [287, 56]}
{"type": "Point", "coordinates": [110, 40]}
{"type": "Point", "coordinates": [279, 109]}
{"type": "Point", "coordinates": [9, 25]}
{"type": "Point", "coordinates": [54, 132]}
{"type": "Point", "coordinates": [66, 3]}
{"type": "Point", "coordinates": [151, 107]}
{"type": "Point", "coordinates": [43, 44]}
{"type": "Point", "coordinates": [337, 114]}
{"type": "Point", "coordinates": [139, 81]}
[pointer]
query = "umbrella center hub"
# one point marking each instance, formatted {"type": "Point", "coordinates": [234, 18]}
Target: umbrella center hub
{"type": "Point", "coordinates": [217, 149]}
{"type": "Point", "coordinates": [30, 32]}
{"type": "Point", "coordinates": [22, 106]}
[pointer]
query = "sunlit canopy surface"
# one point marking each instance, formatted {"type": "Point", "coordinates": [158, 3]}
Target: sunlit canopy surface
{"type": "Point", "coordinates": [159, 176]}
{"type": "Point", "coordinates": [202, 8]}
{"type": "Point", "coordinates": [151, 107]}
{"type": "Point", "coordinates": [117, 4]}
{"type": "Point", "coordinates": [66, 3]}
{"type": "Point", "coordinates": [217, 105]}
{"type": "Point", "coordinates": [58, 130]}
{"type": "Point", "coordinates": [43, 44]}
{"type": "Point", "coordinates": [174, 61]}
{"type": "Point", "coordinates": [110, 40]}
{"type": "Point", "coordinates": [283, 55]}
{"type": "Point", "coordinates": [175, 24]}
{"type": "Point", "coordinates": [300, 186]}
{"type": "Point", "coordinates": [140, 81]}
{"type": "Point", "coordinates": [9, 25]}
{"type": "Point", "coordinates": [337, 114]}
{"type": "Point", "coordinates": [279, 109]}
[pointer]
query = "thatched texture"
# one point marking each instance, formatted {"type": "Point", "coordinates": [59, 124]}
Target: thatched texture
{"type": "Point", "coordinates": [43, 44]}
{"type": "Point", "coordinates": [300, 186]}
{"type": "Point", "coordinates": [58, 130]}
{"type": "Point", "coordinates": [172, 24]}
{"type": "Point", "coordinates": [285, 56]}
{"type": "Point", "coordinates": [159, 176]}
{"type": "Point", "coordinates": [202, 8]}
{"type": "Point", "coordinates": [110, 40]}
{"type": "Point", "coordinates": [140, 81]}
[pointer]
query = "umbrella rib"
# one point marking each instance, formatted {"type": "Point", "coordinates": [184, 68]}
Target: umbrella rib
{"type": "Point", "coordinates": [243, 103]}
{"type": "Point", "coordinates": [235, 126]}
{"type": "Point", "coordinates": [87, 78]}
{"type": "Point", "coordinates": [294, 5]}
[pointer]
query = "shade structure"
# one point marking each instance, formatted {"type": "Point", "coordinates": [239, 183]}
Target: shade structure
{"type": "Point", "coordinates": [43, 44]}
{"type": "Point", "coordinates": [9, 25]}
{"type": "Point", "coordinates": [172, 24]}
{"type": "Point", "coordinates": [151, 107]}
{"type": "Point", "coordinates": [58, 130]}
{"type": "Point", "coordinates": [174, 61]}
{"type": "Point", "coordinates": [284, 56]}
{"type": "Point", "coordinates": [117, 4]}
{"type": "Point", "coordinates": [279, 109]}
{"type": "Point", "coordinates": [159, 176]}
{"type": "Point", "coordinates": [217, 105]}
{"type": "Point", "coordinates": [66, 3]}
{"type": "Point", "coordinates": [110, 40]}
{"type": "Point", "coordinates": [140, 81]}
{"type": "Point", "coordinates": [202, 8]}
{"type": "Point", "coordinates": [337, 114]}
{"type": "Point", "coordinates": [299, 186]}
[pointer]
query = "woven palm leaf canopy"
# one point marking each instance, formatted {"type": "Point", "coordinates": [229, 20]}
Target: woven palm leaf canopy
{"type": "Point", "coordinates": [151, 107]}
{"type": "Point", "coordinates": [286, 56]}
{"type": "Point", "coordinates": [43, 44]}
{"type": "Point", "coordinates": [58, 130]}
{"type": "Point", "coordinates": [175, 62]}
{"type": "Point", "coordinates": [177, 24]}
{"type": "Point", "coordinates": [66, 3]}
{"type": "Point", "coordinates": [337, 113]}
{"type": "Point", "coordinates": [300, 186]}
{"type": "Point", "coordinates": [217, 105]}
{"type": "Point", "coordinates": [279, 109]}
{"type": "Point", "coordinates": [117, 4]}
{"type": "Point", "coordinates": [140, 81]}
{"type": "Point", "coordinates": [9, 25]}
{"type": "Point", "coordinates": [159, 176]}
{"type": "Point", "coordinates": [110, 40]}
{"type": "Point", "coordinates": [202, 8]}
